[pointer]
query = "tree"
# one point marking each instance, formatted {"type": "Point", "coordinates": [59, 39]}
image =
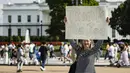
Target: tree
{"type": "Point", "coordinates": [120, 19]}
{"type": "Point", "coordinates": [57, 13]}
{"type": "Point", "coordinates": [57, 27]}
{"type": "Point", "coordinates": [89, 3]}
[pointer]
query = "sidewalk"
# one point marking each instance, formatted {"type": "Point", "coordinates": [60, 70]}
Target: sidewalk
{"type": "Point", "coordinates": [59, 69]}
{"type": "Point", "coordinates": [56, 62]}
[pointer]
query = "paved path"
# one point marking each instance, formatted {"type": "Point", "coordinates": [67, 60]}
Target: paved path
{"type": "Point", "coordinates": [59, 69]}
{"type": "Point", "coordinates": [55, 61]}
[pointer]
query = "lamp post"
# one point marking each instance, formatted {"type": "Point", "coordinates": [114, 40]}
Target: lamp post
{"type": "Point", "coordinates": [41, 28]}
{"type": "Point", "coordinates": [77, 2]}
{"type": "Point", "coordinates": [9, 33]}
{"type": "Point", "coordinates": [74, 2]}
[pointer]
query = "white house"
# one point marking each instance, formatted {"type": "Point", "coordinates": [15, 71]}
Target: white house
{"type": "Point", "coordinates": [17, 16]}
{"type": "Point", "coordinates": [20, 16]}
{"type": "Point", "coordinates": [111, 4]}
{"type": "Point", "coordinates": [1, 17]}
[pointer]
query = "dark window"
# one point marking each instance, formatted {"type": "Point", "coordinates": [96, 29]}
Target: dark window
{"type": "Point", "coordinates": [19, 18]}
{"type": "Point", "coordinates": [9, 18]}
{"type": "Point", "coordinates": [113, 33]}
{"type": "Point", "coordinates": [37, 31]}
{"type": "Point", "coordinates": [19, 32]}
{"type": "Point", "coordinates": [38, 18]}
{"type": "Point", "coordinates": [29, 18]}
{"type": "Point", "coordinates": [29, 31]}
{"type": "Point", "coordinates": [9, 32]}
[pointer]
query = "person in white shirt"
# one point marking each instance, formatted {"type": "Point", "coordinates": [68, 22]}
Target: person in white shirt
{"type": "Point", "coordinates": [128, 50]}
{"type": "Point", "coordinates": [124, 60]}
{"type": "Point", "coordinates": [116, 47]}
{"type": "Point", "coordinates": [20, 58]}
{"type": "Point", "coordinates": [51, 48]}
{"type": "Point", "coordinates": [6, 54]}
{"type": "Point", "coordinates": [61, 48]}
{"type": "Point", "coordinates": [31, 51]}
{"type": "Point", "coordinates": [111, 54]}
{"type": "Point", "coordinates": [70, 50]}
{"type": "Point", "coordinates": [27, 58]}
{"type": "Point", "coordinates": [66, 51]}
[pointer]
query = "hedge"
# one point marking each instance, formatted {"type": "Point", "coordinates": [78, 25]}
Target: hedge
{"type": "Point", "coordinates": [21, 38]}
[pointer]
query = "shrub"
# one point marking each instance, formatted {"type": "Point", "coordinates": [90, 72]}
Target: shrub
{"type": "Point", "coordinates": [22, 38]}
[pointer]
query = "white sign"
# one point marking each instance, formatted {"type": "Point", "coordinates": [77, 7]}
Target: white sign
{"type": "Point", "coordinates": [86, 22]}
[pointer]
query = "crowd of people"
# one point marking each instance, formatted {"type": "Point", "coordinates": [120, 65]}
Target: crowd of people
{"type": "Point", "coordinates": [19, 54]}
{"type": "Point", "coordinates": [9, 53]}
{"type": "Point", "coordinates": [66, 51]}
{"type": "Point", "coordinates": [118, 54]}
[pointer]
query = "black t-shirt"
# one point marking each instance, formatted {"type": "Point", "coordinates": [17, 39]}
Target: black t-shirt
{"type": "Point", "coordinates": [43, 51]}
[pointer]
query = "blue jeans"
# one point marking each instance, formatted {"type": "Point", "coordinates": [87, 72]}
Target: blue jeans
{"type": "Point", "coordinates": [30, 55]}
{"type": "Point", "coordinates": [43, 62]}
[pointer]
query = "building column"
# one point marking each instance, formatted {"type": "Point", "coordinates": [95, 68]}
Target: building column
{"type": "Point", "coordinates": [41, 22]}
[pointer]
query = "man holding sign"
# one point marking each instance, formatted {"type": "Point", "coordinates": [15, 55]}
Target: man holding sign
{"type": "Point", "coordinates": [85, 22]}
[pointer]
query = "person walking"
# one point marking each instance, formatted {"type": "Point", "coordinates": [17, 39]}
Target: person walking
{"type": "Point", "coordinates": [116, 48]}
{"type": "Point", "coordinates": [43, 55]}
{"type": "Point", "coordinates": [51, 48]}
{"type": "Point", "coordinates": [6, 54]}
{"type": "Point", "coordinates": [20, 58]}
{"type": "Point", "coordinates": [106, 54]}
{"type": "Point", "coordinates": [61, 48]}
{"type": "Point", "coordinates": [111, 51]}
{"type": "Point", "coordinates": [66, 51]}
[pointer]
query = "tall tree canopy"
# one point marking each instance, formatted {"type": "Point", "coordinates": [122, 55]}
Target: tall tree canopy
{"type": "Point", "coordinates": [57, 27]}
{"type": "Point", "coordinates": [120, 19]}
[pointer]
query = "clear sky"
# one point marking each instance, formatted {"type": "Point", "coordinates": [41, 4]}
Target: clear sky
{"type": "Point", "coordinates": [28, 1]}
{"type": "Point", "coordinates": [115, 0]}
{"type": "Point", "coordinates": [15, 1]}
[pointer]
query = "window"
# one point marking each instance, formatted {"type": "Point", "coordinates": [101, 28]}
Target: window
{"type": "Point", "coordinates": [29, 31]}
{"type": "Point", "coordinates": [9, 18]}
{"type": "Point", "coordinates": [9, 32]}
{"type": "Point", "coordinates": [37, 31]}
{"type": "Point", "coordinates": [29, 18]}
{"type": "Point", "coordinates": [19, 18]}
{"type": "Point", "coordinates": [113, 33]}
{"type": "Point", "coordinates": [38, 18]}
{"type": "Point", "coordinates": [19, 32]}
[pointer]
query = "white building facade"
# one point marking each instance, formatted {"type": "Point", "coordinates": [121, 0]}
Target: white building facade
{"type": "Point", "coordinates": [18, 17]}
{"type": "Point", "coordinates": [1, 18]}
{"type": "Point", "coordinates": [113, 34]}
